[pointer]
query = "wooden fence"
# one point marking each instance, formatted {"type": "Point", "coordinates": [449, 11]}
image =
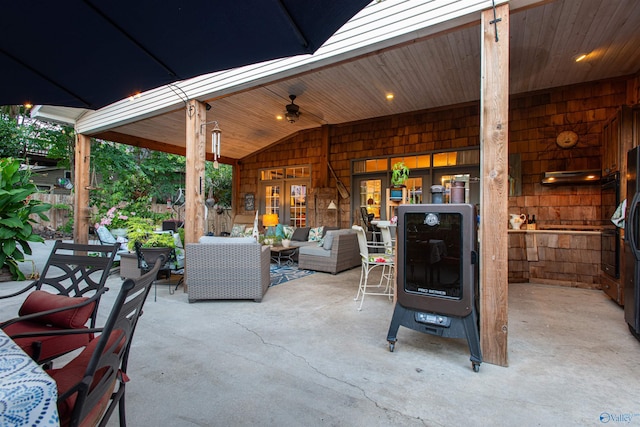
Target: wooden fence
{"type": "Point", "coordinates": [62, 212]}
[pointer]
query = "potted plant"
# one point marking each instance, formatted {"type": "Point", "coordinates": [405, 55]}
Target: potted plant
{"type": "Point", "coordinates": [141, 230]}
{"type": "Point", "coordinates": [16, 211]}
{"type": "Point", "coordinates": [399, 175]}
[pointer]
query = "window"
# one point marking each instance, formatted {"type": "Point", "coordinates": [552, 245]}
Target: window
{"type": "Point", "coordinates": [372, 177]}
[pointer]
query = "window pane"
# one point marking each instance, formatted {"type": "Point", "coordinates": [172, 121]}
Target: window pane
{"type": "Point", "coordinates": [298, 206]}
{"type": "Point", "coordinates": [271, 174]}
{"type": "Point", "coordinates": [272, 199]}
{"type": "Point", "coordinates": [414, 186]}
{"type": "Point", "coordinates": [371, 196]}
{"type": "Point", "coordinates": [298, 172]}
{"type": "Point", "coordinates": [424, 161]}
{"type": "Point", "coordinates": [440, 159]}
{"type": "Point", "coordinates": [411, 162]}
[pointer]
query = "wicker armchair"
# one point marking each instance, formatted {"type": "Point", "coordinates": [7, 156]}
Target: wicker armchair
{"type": "Point", "coordinates": [223, 268]}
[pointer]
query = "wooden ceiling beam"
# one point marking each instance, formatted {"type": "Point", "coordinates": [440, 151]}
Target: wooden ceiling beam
{"type": "Point", "coordinates": [136, 141]}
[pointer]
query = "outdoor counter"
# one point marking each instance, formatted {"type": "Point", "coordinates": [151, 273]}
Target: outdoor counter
{"type": "Point", "coordinates": [558, 257]}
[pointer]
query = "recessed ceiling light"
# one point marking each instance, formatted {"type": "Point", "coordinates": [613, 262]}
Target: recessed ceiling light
{"type": "Point", "coordinates": [580, 57]}
{"type": "Point", "coordinates": [279, 117]}
{"type": "Point", "coordinates": [389, 96]}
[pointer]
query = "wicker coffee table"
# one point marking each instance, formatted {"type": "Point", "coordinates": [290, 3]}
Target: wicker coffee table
{"type": "Point", "coordinates": [280, 254]}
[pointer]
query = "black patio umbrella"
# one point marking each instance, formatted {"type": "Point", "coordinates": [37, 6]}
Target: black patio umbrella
{"type": "Point", "coordinates": [90, 53]}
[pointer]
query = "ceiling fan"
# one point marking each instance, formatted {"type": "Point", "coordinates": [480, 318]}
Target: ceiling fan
{"type": "Point", "coordinates": [293, 110]}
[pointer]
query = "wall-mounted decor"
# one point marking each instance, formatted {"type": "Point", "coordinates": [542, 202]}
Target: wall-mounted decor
{"type": "Point", "coordinates": [249, 202]}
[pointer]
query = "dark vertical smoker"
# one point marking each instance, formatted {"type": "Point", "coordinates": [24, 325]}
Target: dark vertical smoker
{"type": "Point", "coordinates": [436, 265]}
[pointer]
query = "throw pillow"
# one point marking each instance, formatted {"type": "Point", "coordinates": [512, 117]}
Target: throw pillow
{"type": "Point", "coordinates": [280, 231]}
{"type": "Point", "coordinates": [300, 234]}
{"type": "Point", "coordinates": [288, 231]}
{"type": "Point", "coordinates": [248, 232]}
{"type": "Point", "coordinates": [39, 301]}
{"type": "Point", "coordinates": [315, 234]}
{"type": "Point", "coordinates": [237, 230]}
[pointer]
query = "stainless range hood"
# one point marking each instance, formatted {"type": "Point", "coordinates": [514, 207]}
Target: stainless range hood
{"type": "Point", "coordinates": [571, 177]}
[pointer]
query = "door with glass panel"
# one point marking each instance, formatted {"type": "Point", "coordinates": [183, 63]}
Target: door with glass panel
{"type": "Point", "coordinates": [284, 192]}
{"type": "Point", "coordinates": [370, 196]}
{"type": "Point", "coordinates": [297, 206]}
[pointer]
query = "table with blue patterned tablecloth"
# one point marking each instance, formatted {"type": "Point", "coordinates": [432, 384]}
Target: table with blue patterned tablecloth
{"type": "Point", "coordinates": [27, 394]}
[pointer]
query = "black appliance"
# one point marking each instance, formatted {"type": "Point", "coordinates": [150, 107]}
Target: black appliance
{"type": "Point", "coordinates": [610, 239]}
{"type": "Point", "coordinates": [632, 245]}
{"type": "Point", "coordinates": [436, 274]}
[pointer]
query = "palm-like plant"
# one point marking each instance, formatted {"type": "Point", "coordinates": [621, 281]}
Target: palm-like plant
{"type": "Point", "coordinates": [16, 211]}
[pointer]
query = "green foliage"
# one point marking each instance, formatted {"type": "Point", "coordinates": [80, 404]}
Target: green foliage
{"type": "Point", "coordinates": [20, 134]}
{"type": "Point", "coordinates": [16, 209]}
{"type": "Point", "coordinates": [11, 138]}
{"type": "Point", "coordinates": [142, 230]}
{"type": "Point", "coordinates": [67, 227]}
{"type": "Point", "coordinates": [399, 174]}
{"type": "Point", "coordinates": [220, 180]}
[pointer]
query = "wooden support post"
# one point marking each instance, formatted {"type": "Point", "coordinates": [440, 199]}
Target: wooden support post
{"type": "Point", "coordinates": [82, 163]}
{"type": "Point", "coordinates": [194, 224]}
{"type": "Point", "coordinates": [494, 164]}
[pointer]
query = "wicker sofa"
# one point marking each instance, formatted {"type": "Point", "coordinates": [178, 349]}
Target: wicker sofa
{"type": "Point", "coordinates": [223, 268]}
{"type": "Point", "coordinates": [339, 252]}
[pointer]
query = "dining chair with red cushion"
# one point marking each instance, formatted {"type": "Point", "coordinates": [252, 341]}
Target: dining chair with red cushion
{"type": "Point", "coordinates": [65, 296]}
{"type": "Point", "coordinates": [92, 384]}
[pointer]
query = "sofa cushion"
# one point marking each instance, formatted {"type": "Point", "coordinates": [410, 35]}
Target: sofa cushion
{"type": "Point", "coordinates": [207, 240]}
{"type": "Point", "coordinates": [326, 228]}
{"type": "Point", "coordinates": [301, 244]}
{"type": "Point", "coordinates": [301, 234]}
{"type": "Point", "coordinates": [314, 250]}
{"type": "Point", "coordinates": [328, 238]}
{"type": "Point", "coordinates": [315, 234]}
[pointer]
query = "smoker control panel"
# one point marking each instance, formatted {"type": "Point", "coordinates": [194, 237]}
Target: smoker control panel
{"type": "Point", "coordinates": [433, 319]}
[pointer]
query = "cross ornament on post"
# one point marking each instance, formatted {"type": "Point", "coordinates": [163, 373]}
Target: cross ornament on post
{"type": "Point", "coordinates": [495, 20]}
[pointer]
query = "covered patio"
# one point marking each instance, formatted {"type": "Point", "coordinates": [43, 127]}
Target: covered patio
{"type": "Point", "coordinates": [439, 55]}
{"type": "Point", "coordinates": [306, 356]}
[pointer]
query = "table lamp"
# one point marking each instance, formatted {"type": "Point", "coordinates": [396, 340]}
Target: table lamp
{"type": "Point", "coordinates": [269, 221]}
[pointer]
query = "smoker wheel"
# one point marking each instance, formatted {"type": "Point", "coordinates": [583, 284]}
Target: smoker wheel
{"type": "Point", "coordinates": [476, 366]}
{"type": "Point", "coordinates": [392, 346]}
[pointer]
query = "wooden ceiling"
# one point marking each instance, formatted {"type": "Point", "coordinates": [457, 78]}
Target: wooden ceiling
{"type": "Point", "coordinates": [436, 71]}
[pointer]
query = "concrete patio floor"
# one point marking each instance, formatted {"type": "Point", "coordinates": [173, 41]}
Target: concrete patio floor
{"type": "Point", "coordinates": [305, 356]}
